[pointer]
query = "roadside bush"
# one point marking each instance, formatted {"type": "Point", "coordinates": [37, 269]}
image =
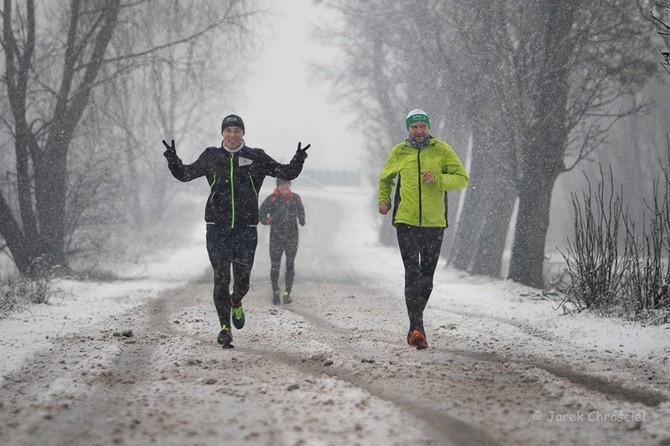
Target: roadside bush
{"type": "Point", "coordinates": [612, 267]}
{"type": "Point", "coordinates": [594, 265]}
{"type": "Point", "coordinates": [649, 276]}
{"type": "Point", "coordinates": [16, 293]}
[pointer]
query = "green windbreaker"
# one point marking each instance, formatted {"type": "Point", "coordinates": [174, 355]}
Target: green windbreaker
{"type": "Point", "coordinates": [417, 203]}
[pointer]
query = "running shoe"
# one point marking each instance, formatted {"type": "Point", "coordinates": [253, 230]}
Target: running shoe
{"type": "Point", "coordinates": [275, 297]}
{"type": "Point", "coordinates": [287, 297]}
{"type": "Point", "coordinates": [238, 314]}
{"type": "Point", "coordinates": [225, 338]}
{"type": "Point", "coordinates": [417, 339]}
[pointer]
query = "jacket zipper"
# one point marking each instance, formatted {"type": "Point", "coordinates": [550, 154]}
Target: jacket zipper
{"type": "Point", "coordinates": [418, 162]}
{"type": "Point", "coordinates": [232, 191]}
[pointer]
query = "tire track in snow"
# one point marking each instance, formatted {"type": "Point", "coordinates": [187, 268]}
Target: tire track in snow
{"type": "Point", "coordinates": [618, 391]}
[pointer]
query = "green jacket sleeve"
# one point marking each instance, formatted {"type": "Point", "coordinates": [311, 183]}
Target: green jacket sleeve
{"type": "Point", "coordinates": [455, 176]}
{"type": "Point", "coordinates": [387, 178]}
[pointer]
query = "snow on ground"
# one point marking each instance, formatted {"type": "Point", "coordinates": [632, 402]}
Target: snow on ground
{"type": "Point", "coordinates": [502, 321]}
{"type": "Point", "coordinates": [503, 299]}
{"type": "Point", "coordinates": [86, 302]}
{"type": "Point", "coordinates": [81, 303]}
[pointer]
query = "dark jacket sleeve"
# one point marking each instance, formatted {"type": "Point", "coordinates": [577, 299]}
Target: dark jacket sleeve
{"type": "Point", "coordinates": [288, 171]}
{"type": "Point", "coordinates": [264, 213]}
{"type": "Point", "coordinates": [301, 210]}
{"type": "Point", "coordinates": [188, 172]}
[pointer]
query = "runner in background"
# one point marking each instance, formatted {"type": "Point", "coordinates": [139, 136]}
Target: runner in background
{"type": "Point", "coordinates": [282, 210]}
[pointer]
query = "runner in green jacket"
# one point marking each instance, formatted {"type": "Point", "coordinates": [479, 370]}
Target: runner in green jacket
{"type": "Point", "coordinates": [426, 169]}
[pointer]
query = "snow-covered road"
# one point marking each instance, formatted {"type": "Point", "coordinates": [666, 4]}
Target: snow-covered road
{"type": "Point", "coordinates": [333, 368]}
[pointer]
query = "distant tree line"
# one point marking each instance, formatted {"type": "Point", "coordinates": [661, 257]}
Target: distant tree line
{"type": "Point", "coordinates": [531, 88]}
{"type": "Point", "coordinates": [327, 177]}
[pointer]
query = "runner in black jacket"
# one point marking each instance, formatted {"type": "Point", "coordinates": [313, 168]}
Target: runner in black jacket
{"type": "Point", "coordinates": [282, 210]}
{"type": "Point", "coordinates": [235, 173]}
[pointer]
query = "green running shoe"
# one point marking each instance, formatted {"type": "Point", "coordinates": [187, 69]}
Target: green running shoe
{"type": "Point", "coordinates": [287, 297]}
{"type": "Point", "coordinates": [275, 297]}
{"type": "Point", "coordinates": [238, 315]}
{"type": "Point", "coordinates": [225, 338]}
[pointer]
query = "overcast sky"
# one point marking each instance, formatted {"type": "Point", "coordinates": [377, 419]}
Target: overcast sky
{"type": "Point", "coordinates": [281, 107]}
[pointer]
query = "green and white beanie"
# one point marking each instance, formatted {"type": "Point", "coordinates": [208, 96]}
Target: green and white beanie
{"type": "Point", "coordinates": [417, 115]}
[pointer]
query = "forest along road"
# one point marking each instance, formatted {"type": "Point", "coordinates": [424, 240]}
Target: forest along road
{"type": "Point", "coordinates": [332, 368]}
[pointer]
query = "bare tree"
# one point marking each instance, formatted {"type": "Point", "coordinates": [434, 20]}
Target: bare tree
{"type": "Point", "coordinates": [172, 93]}
{"type": "Point", "coordinates": [592, 60]}
{"type": "Point", "coordinates": [479, 76]}
{"type": "Point", "coordinates": [53, 67]}
{"type": "Point", "coordinates": [660, 13]}
{"type": "Point", "coordinates": [540, 85]}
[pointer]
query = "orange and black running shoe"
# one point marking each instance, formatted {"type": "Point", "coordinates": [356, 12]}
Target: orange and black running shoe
{"type": "Point", "coordinates": [417, 339]}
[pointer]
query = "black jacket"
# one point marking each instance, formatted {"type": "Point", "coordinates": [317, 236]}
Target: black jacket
{"type": "Point", "coordinates": [282, 213]}
{"type": "Point", "coordinates": [234, 181]}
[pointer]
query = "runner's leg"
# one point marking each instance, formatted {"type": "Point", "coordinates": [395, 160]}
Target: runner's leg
{"type": "Point", "coordinates": [430, 244]}
{"type": "Point", "coordinates": [221, 266]}
{"type": "Point", "coordinates": [245, 240]}
{"type": "Point", "coordinates": [276, 250]}
{"type": "Point", "coordinates": [289, 274]}
{"type": "Point", "coordinates": [408, 242]}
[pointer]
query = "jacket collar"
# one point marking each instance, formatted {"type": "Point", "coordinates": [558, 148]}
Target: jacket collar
{"type": "Point", "coordinates": [229, 150]}
{"type": "Point", "coordinates": [419, 145]}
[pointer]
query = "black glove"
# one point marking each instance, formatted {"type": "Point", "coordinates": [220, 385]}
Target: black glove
{"type": "Point", "coordinates": [301, 154]}
{"type": "Point", "coordinates": [170, 152]}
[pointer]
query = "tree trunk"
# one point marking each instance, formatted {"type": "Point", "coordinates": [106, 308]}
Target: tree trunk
{"type": "Point", "coordinates": [22, 249]}
{"type": "Point", "coordinates": [532, 223]}
{"type": "Point", "coordinates": [542, 159]}
{"type": "Point", "coordinates": [489, 201]}
{"type": "Point", "coordinates": [43, 234]}
{"type": "Point", "coordinates": [488, 256]}
{"type": "Point", "coordinates": [50, 195]}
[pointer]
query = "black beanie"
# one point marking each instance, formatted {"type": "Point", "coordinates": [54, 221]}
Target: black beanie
{"type": "Point", "coordinates": [232, 121]}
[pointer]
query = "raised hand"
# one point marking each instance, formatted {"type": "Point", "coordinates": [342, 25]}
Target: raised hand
{"type": "Point", "coordinates": [301, 153]}
{"type": "Point", "coordinates": [171, 153]}
{"type": "Point", "coordinates": [170, 149]}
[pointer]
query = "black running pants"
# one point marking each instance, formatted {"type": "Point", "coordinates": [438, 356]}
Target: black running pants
{"type": "Point", "coordinates": [283, 244]}
{"type": "Point", "coordinates": [420, 251]}
{"type": "Point", "coordinates": [230, 250]}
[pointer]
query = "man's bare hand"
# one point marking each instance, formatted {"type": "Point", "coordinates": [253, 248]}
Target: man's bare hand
{"type": "Point", "coordinates": [428, 177]}
{"type": "Point", "coordinates": [384, 207]}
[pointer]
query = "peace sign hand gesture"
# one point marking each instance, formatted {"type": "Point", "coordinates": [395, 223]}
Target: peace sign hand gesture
{"type": "Point", "coordinates": [301, 154]}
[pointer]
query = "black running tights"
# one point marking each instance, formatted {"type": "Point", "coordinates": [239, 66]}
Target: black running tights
{"type": "Point", "coordinates": [231, 253]}
{"type": "Point", "coordinates": [420, 251]}
{"type": "Point", "coordinates": [279, 246]}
